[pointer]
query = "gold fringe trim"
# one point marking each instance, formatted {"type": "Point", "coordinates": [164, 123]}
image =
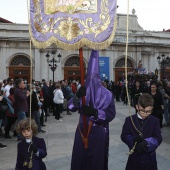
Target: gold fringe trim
{"type": "Point", "coordinates": [78, 45]}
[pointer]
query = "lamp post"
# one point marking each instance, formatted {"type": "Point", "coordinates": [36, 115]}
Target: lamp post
{"type": "Point", "coordinates": [53, 62]}
{"type": "Point", "coordinates": [156, 72]}
{"type": "Point", "coordinates": [162, 60]}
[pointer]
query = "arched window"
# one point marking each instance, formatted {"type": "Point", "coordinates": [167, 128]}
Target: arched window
{"type": "Point", "coordinates": [20, 61]}
{"type": "Point", "coordinates": [73, 62]}
{"type": "Point", "coordinates": [121, 63]}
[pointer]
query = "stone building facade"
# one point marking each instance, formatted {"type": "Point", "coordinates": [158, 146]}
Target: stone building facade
{"type": "Point", "coordinates": [16, 53]}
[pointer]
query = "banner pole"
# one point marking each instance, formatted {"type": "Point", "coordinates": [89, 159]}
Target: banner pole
{"type": "Point", "coordinates": [82, 84]}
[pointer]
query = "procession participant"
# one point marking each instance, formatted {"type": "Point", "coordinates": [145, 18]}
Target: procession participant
{"type": "Point", "coordinates": [99, 110]}
{"type": "Point", "coordinates": [145, 143]}
{"type": "Point", "coordinates": [31, 150]}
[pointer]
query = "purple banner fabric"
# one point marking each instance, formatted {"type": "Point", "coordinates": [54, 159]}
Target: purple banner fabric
{"type": "Point", "coordinates": [71, 24]}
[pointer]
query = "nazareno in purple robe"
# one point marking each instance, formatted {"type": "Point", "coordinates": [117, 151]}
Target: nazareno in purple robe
{"type": "Point", "coordinates": [96, 156]}
{"type": "Point", "coordinates": [23, 154]}
{"type": "Point", "coordinates": [151, 133]}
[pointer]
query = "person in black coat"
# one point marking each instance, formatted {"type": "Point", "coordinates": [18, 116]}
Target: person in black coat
{"type": "Point", "coordinates": [136, 91]}
{"type": "Point", "coordinates": [158, 102]}
{"type": "Point", "coordinates": [46, 96]}
{"type": "Point", "coordinates": [118, 90]}
{"type": "Point", "coordinates": [35, 113]}
{"type": "Point", "coordinates": [31, 150]}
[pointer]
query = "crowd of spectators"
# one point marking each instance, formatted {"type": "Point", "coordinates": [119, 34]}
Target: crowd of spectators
{"type": "Point", "coordinates": [46, 97]}
{"type": "Point", "coordinates": [159, 90]}
{"type": "Point", "coordinates": [49, 97]}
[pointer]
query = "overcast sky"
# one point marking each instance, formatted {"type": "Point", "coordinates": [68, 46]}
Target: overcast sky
{"type": "Point", "coordinates": [152, 14]}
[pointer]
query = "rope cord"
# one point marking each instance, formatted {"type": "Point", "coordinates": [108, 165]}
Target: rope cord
{"type": "Point", "coordinates": [30, 65]}
{"type": "Point", "coordinates": [126, 81]}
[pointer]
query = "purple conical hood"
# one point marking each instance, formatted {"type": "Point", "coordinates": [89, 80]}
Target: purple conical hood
{"type": "Point", "coordinates": [93, 66]}
{"type": "Point", "coordinates": [96, 95]}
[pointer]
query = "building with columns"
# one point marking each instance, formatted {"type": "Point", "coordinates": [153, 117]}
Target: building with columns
{"type": "Point", "coordinates": [17, 55]}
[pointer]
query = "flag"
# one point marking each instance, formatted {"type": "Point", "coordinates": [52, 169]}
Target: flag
{"type": "Point", "coordinates": [72, 24]}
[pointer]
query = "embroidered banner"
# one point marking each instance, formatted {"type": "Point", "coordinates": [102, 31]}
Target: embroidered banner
{"type": "Point", "coordinates": [71, 24]}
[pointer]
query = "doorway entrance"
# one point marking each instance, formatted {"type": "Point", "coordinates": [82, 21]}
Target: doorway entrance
{"type": "Point", "coordinates": [20, 68]}
{"type": "Point", "coordinates": [120, 68]}
{"type": "Point", "coordinates": [120, 72]}
{"type": "Point", "coordinates": [72, 69]}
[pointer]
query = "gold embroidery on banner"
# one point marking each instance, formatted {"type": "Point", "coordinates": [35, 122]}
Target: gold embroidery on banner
{"type": "Point", "coordinates": [38, 22]}
{"type": "Point", "coordinates": [69, 28]}
{"type": "Point", "coordinates": [49, 6]}
{"type": "Point", "coordinates": [70, 6]}
{"type": "Point", "coordinates": [78, 45]}
{"type": "Point", "coordinates": [97, 28]}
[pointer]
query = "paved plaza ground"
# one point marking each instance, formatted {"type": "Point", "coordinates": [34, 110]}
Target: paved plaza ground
{"type": "Point", "coordinates": [59, 139]}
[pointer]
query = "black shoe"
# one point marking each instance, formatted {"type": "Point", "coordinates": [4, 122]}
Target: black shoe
{"type": "Point", "coordinates": [48, 114]}
{"type": "Point", "coordinates": [61, 117]}
{"type": "Point", "coordinates": [43, 125]}
{"type": "Point", "coordinates": [42, 131]}
{"type": "Point", "coordinates": [2, 146]}
{"type": "Point", "coordinates": [165, 125]}
{"type": "Point", "coordinates": [69, 113]}
{"type": "Point", "coordinates": [7, 137]}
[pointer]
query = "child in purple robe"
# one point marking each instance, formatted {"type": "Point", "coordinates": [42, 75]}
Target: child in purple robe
{"type": "Point", "coordinates": [141, 133]}
{"type": "Point", "coordinates": [31, 150]}
{"type": "Point", "coordinates": [99, 110]}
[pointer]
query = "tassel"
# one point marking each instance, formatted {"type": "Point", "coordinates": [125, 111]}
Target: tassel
{"type": "Point", "coordinates": [133, 149]}
{"type": "Point", "coordinates": [30, 162]}
{"type": "Point", "coordinates": [25, 163]}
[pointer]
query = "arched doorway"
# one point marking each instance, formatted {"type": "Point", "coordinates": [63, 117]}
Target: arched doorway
{"type": "Point", "coordinates": [120, 68]}
{"type": "Point", "coordinates": [72, 69]}
{"type": "Point", "coordinates": [20, 68]}
{"type": "Point", "coordinates": [165, 72]}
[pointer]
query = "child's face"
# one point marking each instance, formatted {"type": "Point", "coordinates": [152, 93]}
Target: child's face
{"type": "Point", "coordinates": [144, 112]}
{"type": "Point", "coordinates": [27, 134]}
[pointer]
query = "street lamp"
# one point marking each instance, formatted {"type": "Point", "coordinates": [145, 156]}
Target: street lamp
{"type": "Point", "coordinates": [156, 72]}
{"type": "Point", "coordinates": [53, 62]}
{"type": "Point", "coordinates": [162, 60]}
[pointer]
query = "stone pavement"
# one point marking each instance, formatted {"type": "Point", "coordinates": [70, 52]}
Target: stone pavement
{"type": "Point", "coordinates": [60, 136]}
